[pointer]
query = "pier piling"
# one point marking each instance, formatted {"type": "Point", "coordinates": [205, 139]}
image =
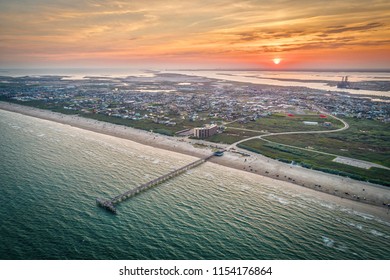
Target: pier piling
{"type": "Point", "coordinates": [109, 204]}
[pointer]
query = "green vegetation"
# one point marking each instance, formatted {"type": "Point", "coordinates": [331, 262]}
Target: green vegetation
{"type": "Point", "coordinates": [148, 124]}
{"type": "Point", "coordinates": [273, 123]}
{"type": "Point", "coordinates": [276, 151]}
{"type": "Point", "coordinates": [57, 107]}
{"type": "Point", "coordinates": [316, 161]}
{"type": "Point", "coordinates": [144, 124]}
{"type": "Point", "coordinates": [365, 140]}
{"type": "Point", "coordinates": [284, 123]}
{"type": "Point", "coordinates": [191, 124]}
{"type": "Point", "coordinates": [139, 124]}
{"type": "Point", "coordinates": [231, 135]}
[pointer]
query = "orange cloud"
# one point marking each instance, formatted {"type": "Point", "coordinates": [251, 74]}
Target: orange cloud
{"type": "Point", "coordinates": [248, 32]}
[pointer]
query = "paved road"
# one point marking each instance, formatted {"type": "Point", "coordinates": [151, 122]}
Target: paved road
{"type": "Point", "coordinates": [346, 126]}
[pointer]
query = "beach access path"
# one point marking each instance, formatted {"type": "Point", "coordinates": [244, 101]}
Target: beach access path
{"type": "Point", "coordinates": [321, 182]}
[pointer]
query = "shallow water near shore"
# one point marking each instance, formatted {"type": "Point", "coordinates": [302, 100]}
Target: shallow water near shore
{"type": "Point", "coordinates": [51, 175]}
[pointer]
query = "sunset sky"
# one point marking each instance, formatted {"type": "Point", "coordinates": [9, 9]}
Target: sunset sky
{"type": "Point", "coordinates": [310, 34]}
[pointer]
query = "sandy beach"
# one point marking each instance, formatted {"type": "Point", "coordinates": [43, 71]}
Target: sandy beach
{"type": "Point", "coordinates": [318, 183]}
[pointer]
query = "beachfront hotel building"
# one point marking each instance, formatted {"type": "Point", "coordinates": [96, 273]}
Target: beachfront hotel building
{"type": "Point", "coordinates": [204, 132]}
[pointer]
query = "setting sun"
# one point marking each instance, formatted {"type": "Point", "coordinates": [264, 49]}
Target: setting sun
{"type": "Point", "coordinates": [205, 34]}
{"type": "Point", "coordinates": [276, 60]}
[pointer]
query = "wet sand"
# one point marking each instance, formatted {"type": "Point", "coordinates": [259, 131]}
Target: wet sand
{"type": "Point", "coordinates": [340, 188]}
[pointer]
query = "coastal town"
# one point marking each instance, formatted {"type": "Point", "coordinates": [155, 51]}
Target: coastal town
{"type": "Point", "coordinates": [274, 121]}
{"type": "Point", "coordinates": [194, 139]}
{"type": "Point", "coordinates": [178, 102]}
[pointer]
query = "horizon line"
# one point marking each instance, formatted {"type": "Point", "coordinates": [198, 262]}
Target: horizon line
{"type": "Point", "coordinates": [203, 69]}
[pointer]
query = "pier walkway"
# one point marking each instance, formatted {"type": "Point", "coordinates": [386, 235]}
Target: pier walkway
{"type": "Point", "coordinates": [109, 204]}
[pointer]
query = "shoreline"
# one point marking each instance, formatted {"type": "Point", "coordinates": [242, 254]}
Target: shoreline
{"type": "Point", "coordinates": [316, 182]}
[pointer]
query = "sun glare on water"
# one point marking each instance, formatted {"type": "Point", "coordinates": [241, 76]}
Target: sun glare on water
{"type": "Point", "coordinates": [276, 60]}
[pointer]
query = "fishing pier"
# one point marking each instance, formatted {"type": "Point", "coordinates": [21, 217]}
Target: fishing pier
{"type": "Point", "coordinates": [109, 204]}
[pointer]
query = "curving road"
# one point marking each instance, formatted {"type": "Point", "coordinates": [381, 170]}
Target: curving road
{"type": "Point", "coordinates": [346, 126]}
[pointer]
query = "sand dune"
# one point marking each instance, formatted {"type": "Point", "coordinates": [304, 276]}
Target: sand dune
{"type": "Point", "coordinates": [321, 182]}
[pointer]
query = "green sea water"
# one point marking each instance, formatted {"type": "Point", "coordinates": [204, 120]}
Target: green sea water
{"type": "Point", "coordinates": [51, 174]}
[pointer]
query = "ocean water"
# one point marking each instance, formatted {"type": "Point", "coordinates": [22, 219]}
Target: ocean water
{"type": "Point", "coordinates": [51, 174]}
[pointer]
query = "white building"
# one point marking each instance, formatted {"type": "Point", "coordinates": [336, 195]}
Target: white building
{"type": "Point", "coordinates": [204, 132]}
